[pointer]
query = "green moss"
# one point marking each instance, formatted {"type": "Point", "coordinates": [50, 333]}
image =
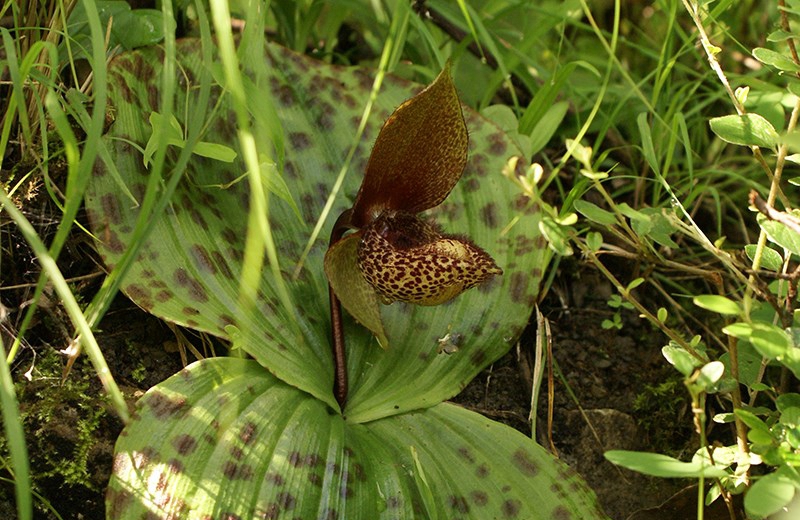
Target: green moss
{"type": "Point", "coordinates": [664, 414]}
{"type": "Point", "coordinates": [67, 427]}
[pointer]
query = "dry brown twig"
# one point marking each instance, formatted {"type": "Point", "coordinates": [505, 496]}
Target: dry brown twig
{"type": "Point", "coordinates": [787, 219]}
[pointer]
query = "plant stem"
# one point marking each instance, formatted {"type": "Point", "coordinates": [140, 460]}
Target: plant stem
{"type": "Point", "coordinates": [339, 356]}
{"type": "Point", "coordinates": [340, 227]}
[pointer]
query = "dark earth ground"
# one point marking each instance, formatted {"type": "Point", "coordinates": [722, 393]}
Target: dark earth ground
{"type": "Point", "coordinates": [630, 398]}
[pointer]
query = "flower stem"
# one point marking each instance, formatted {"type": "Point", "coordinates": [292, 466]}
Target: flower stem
{"type": "Point", "coordinates": [337, 328]}
{"type": "Point", "coordinates": [339, 356]}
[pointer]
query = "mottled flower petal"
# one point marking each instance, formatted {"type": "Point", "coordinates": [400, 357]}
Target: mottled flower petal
{"type": "Point", "coordinates": [419, 154]}
{"type": "Point", "coordinates": [405, 258]}
{"type": "Point", "coordinates": [349, 285]}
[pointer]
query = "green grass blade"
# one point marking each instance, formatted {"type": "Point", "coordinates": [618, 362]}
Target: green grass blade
{"type": "Point", "coordinates": [259, 240]}
{"type": "Point", "coordinates": [72, 307]}
{"type": "Point", "coordinates": [16, 98]}
{"type": "Point", "coordinates": [15, 438]}
{"type": "Point", "coordinates": [155, 200]}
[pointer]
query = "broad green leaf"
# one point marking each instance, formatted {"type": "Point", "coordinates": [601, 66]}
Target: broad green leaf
{"type": "Point", "coordinates": [658, 227]}
{"type": "Point", "coordinates": [131, 28]}
{"type": "Point", "coordinates": [739, 330]}
{"type": "Point", "coordinates": [503, 116]}
{"type": "Point", "coordinates": [779, 36]}
{"type": "Point", "coordinates": [226, 439]}
{"type": "Point", "coordinates": [684, 362]}
{"type": "Point", "coordinates": [769, 494]}
{"type": "Point", "coordinates": [781, 234]}
{"type": "Point", "coordinates": [777, 60]}
{"type": "Point", "coordinates": [556, 236]}
{"type": "Point", "coordinates": [710, 374]}
{"type": "Point", "coordinates": [189, 270]}
{"type": "Point", "coordinates": [595, 213]}
{"type": "Point", "coordinates": [790, 416]}
{"type": "Point", "coordinates": [163, 132]}
{"type": "Point", "coordinates": [745, 130]}
{"type": "Point", "coordinates": [547, 126]}
{"type": "Point", "coordinates": [659, 465]}
{"type": "Point", "coordinates": [770, 259]}
{"type": "Point", "coordinates": [791, 140]}
{"type": "Point", "coordinates": [770, 341]}
{"type": "Point", "coordinates": [594, 241]}
{"type": "Point", "coordinates": [636, 282]}
{"type": "Point", "coordinates": [171, 134]}
{"type": "Point", "coordinates": [749, 363]}
{"type": "Point", "coordinates": [788, 400]}
{"type": "Point", "coordinates": [718, 304]}
{"type": "Point", "coordinates": [633, 214]}
{"type": "Point", "coordinates": [770, 105]}
{"type": "Point", "coordinates": [216, 151]}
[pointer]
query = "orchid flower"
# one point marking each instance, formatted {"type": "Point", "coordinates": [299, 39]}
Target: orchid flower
{"type": "Point", "coordinates": [393, 253]}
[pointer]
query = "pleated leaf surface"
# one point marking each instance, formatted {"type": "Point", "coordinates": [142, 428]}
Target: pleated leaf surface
{"type": "Point", "coordinates": [225, 439]}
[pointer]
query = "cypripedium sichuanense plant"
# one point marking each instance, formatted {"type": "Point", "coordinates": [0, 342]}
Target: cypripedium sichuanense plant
{"type": "Point", "coordinates": [393, 253]}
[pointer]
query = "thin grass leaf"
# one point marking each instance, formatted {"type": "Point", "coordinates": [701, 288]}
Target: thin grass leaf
{"type": "Point", "coordinates": [647, 142]}
{"type": "Point", "coordinates": [72, 307]}
{"type": "Point", "coordinates": [16, 99]}
{"type": "Point", "coordinates": [15, 437]}
{"type": "Point", "coordinates": [153, 201]}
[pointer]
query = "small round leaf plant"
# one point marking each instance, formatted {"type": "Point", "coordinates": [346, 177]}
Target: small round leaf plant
{"type": "Point", "coordinates": [395, 255]}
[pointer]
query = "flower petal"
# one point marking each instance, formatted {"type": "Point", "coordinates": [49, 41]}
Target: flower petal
{"type": "Point", "coordinates": [413, 263]}
{"type": "Point", "coordinates": [349, 285]}
{"type": "Point", "coordinates": [419, 154]}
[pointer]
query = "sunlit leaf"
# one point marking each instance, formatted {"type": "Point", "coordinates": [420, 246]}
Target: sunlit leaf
{"type": "Point", "coordinates": [781, 234]}
{"type": "Point", "coordinates": [770, 259]}
{"type": "Point", "coordinates": [777, 60]}
{"type": "Point", "coordinates": [717, 303]}
{"type": "Point", "coordinates": [225, 439]}
{"type": "Point", "coordinates": [547, 126]}
{"type": "Point", "coordinates": [659, 465]}
{"type": "Point", "coordinates": [595, 213]}
{"type": "Point", "coordinates": [770, 494]}
{"type": "Point", "coordinates": [746, 130]}
{"type": "Point", "coordinates": [678, 357]}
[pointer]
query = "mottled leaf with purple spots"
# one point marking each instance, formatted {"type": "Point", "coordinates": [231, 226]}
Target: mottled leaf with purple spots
{"type": "Point", "coordinates": [189, 269]}
{"type": "Point", "coordinates": [225, 439]}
